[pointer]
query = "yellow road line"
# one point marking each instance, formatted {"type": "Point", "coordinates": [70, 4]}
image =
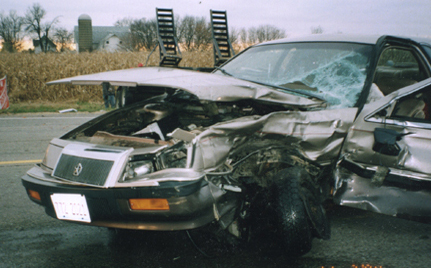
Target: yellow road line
{"type": "Point", "coordinates": [20, 162]}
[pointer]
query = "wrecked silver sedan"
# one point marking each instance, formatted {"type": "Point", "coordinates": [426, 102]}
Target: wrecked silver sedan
{"type": "Point", "coordinates": [256, 147]}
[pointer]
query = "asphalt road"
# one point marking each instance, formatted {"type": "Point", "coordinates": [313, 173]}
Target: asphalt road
{"type": "Point", "coordinates": [29, 238]}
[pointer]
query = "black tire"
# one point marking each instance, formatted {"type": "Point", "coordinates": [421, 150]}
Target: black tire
{"type": "Point", "coordinates": [292, 220]}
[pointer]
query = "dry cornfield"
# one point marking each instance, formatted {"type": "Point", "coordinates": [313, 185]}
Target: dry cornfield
{"type": "Point", "coordinates": [28, 73]}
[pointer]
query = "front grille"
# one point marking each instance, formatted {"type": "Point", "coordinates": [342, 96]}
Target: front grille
{"type": "Point", "coordinates": [92, 171]}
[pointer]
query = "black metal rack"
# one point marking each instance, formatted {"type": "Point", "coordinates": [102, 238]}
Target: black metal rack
{"type": "Point", "coordinates": [223, 49]}
{"type": "Point", "coordinates": [170, 53]}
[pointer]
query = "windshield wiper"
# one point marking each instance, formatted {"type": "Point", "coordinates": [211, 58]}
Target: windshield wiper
{"type": "Point", "coordinates": [223, 71]}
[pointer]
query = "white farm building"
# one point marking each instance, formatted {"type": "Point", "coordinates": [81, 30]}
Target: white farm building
{"type": "Point", "coordinates": [99, 38]}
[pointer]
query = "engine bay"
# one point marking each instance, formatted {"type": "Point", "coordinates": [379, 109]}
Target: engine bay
{"type": "Point", "coordinates": [150, 121]}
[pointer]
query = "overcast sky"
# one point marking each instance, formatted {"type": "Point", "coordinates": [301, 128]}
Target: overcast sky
{"type": "Point", "coordinates": [402, 17]}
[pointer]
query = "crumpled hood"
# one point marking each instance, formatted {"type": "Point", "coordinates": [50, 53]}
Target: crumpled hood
{"type": "Point", "coordinates": [205, 86]}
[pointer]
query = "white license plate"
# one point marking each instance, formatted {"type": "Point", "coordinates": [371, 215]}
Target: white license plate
{"type": "Point", "coordinates": [71, 207]}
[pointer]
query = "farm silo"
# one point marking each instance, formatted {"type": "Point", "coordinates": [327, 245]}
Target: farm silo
{"type": "Point", "coordinates": [85, 33]}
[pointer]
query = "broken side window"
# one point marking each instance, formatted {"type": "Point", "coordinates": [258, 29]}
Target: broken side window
{"type": "Point", "coordinates": [397, 68]}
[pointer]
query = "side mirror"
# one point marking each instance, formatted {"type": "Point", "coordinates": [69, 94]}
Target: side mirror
{"type": "Point", "coordinates": [382, 113]}
{"type": "Point", "coordinates": [385, 141]}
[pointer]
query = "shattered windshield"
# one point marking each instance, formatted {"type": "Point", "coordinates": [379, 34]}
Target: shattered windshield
{"type": "Point", "coordinates": [335, 72]}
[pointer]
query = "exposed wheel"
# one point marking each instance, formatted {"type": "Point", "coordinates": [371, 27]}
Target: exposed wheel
{"type": "Point", "coordinates": [292, 220]}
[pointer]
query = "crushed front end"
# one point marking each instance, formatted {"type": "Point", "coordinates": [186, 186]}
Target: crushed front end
{"type": "Point", "coordinates": [122, 170]}
{"type": "Point", "coordinates": [104, 186]}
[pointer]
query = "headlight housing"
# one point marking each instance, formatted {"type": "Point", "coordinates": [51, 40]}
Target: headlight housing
{"type": "Point", "coordinates": [141, 165]}
{"type": "Point", "coordinates": [138, 168]}
{"type": "Point", "coordinates": [174, 157]}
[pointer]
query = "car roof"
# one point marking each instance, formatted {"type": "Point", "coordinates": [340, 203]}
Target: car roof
{"type": "Point", "coordinates": [349, 38]}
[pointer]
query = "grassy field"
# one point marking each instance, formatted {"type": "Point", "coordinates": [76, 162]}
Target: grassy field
{"type": "Point", "coordinates": [28, 73]}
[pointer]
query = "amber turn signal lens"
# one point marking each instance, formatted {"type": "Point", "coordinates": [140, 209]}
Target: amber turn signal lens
{"type": "Point", "coordinates": [149, 204]}
{"type": "Point", "coordinates": [34, 194]}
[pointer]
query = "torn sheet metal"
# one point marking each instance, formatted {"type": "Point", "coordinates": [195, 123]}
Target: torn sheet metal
{"type": "Point", "coordinates": [414, 144]}
{"type": "Point", "coordinates": [396, 182]}
{"type": "Point", "coordinates": [358, 192]}
{"type": "Point", "coordinates": [317, 136]}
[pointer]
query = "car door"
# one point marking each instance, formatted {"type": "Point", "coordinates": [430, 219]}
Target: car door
{"type": "Point", "coordinates": [385, 163]}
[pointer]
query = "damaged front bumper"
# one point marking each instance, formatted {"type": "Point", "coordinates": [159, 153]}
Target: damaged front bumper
{"type": "Point", "coordinates": [189, 203]}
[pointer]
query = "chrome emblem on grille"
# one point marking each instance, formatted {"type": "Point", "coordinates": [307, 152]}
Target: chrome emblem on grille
{"type": "Point", "coordinates": [77, 170]}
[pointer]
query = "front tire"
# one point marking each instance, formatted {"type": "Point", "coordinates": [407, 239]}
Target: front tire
{"type": "Point", "coordinates": [292, 220]}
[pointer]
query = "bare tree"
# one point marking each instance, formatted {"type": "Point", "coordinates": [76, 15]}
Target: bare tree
{"type": "Point", "coordinates": [187, 31]}
{"type": "Point", "coordinates": [264, 33]}
{"type": "Point", "coordinates": [202, 37]}
{"type": "Point", "coordinates": [63, 37]}
{"type": "Point", "coordinates": [316, 30]}
{"type": "Point", "coordinates": [252, 35]}
{"type": "Point", "coordinates": [269, 32]}
{"type": "Point", "coordinates": [125, 22]}
{"type": "Point", "coordinates": [194, 33]}
{"type": "Point", "coordinates": [233, 35]}
{"type": "Point", "coordinates": [243, 37]}
{"type": "Point", "coordinates": [261, 34]}
{"type": "Point", "coordinates": [143, 34]}
{"type": "Point", "coordinates": [274, 33]}
{"type": "Point", "coordinates": [10, 29]}
{"type": "Point", "coordinates": [178, 32]}
{"type": "Point", "coordinates": [33, 21]}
